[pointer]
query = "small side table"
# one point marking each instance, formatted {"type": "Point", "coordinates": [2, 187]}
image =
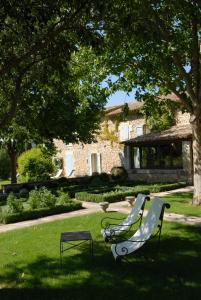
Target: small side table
{"type": "Point", "coordinates": [75, 239]}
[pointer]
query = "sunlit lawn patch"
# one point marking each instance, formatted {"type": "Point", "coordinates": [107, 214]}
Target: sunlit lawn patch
{"type": "Point", "coordinates": [30, 268]}
{"type": "Point", "coordinates": [181, 203]}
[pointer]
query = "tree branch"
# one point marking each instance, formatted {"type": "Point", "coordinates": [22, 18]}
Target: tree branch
{"type": "Point", "coordinates": [166, 35]}
{"type": "Point", "coordinates": [15, 98]}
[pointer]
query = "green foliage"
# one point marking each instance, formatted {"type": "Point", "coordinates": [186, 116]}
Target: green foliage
{"type": "Point", "coordinates": [99, 179]}
{"type": "Point", "coordinates": [41, 198]}
{"type": "Point", "coordinates": [34, 165]}
{"type": "Point", "coordinates": [14, 205]}
{"type": "Point", "coordinates": [155, 188]}
{"type": "Point", "coordinates": [58, 164]}
{"type": "Point", "coordinates": [34, 199]}
{"type": "Point", "coordinates": [120, 192]}
{"type": "Point", "coordinates": [119, 174]}
{"type": "Point", "coordinates": [4, 164]}
{"type": "Point", "coordinates": [112, 196]}
{"type": "Point", "coordinates": [160, 114]}
{"type": "Point", "coordinates": [63, 198]}
{"type": "Point", "coordinates": [47, 198]}
{"type": "Point", "coordinates": [6, 217]}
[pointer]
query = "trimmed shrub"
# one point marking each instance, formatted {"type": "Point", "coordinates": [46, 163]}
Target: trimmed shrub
{"type": "Point", "coordinates": [99, 179]}
{"type": "Point", "coordinates": [166, 187]}
{"type": "Point", "coordinates": [119, 174]}
{"type": "Point", "coordinates": [34, 165]}
{"type": "Point", "coordinates": [41, 198]}
{"type": "Point", "coordinates": [34, 199]}
{"type": "Point", "coordinates": [63, 198]}
{"type": "Point", "coordinates": [6, 217]}
{"type": "Point", "coordinates": [47, 198]}
{"type": "Point", "coordinates": [13, 204]}
{"type": "Point", "coordinates": [110, 197]}
{"type": "Point", "coordinates": [5, 169]}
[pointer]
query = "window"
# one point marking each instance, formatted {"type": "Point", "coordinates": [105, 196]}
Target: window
{"type": "Point", "coordinates": [140, 130]}
{"type": "Point", "coordinates": [158, 157]}
{"type": "Point", "coordinates": [124, 131]}
{"type": "Point", "coordinates": [94, 163]}
{"type": "Point", "coordinates": [69, 164]}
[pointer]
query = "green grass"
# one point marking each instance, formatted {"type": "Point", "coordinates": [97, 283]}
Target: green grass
{"type": "Point", "coordinates": [181, 203]}
{"type": "Point", "coordinates": [30, 269]}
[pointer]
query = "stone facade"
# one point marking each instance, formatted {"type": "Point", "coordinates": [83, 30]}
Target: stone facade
{"type": "Point", "coordinates": [111, 153]}
{"type": "Point", "coordinates": [101, 156]}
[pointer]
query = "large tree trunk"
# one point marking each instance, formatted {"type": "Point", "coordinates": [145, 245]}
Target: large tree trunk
{"type": "Point", "coordinates": [13, 158]}
{"type": "Point", "coordinates": [196, 137]}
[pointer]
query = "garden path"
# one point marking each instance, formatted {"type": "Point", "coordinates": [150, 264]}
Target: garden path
{"type": "Point", "coordinates": [91, 208]}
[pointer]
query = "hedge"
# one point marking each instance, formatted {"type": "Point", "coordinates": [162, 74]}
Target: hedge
{"type": "Point", "coordinates": [155, 188]}
{"type": "Point", "coordinates": [109, 197]}
{"type": "Point", "coordinates": [38, 213]}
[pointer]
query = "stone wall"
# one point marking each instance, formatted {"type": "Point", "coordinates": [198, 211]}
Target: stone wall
{"type": "Point", "coordinates": [157, 175]}
{"type": "Point", "coordinates": [111, 153]}
{"type": "Point", "coordinates": [114, 154]}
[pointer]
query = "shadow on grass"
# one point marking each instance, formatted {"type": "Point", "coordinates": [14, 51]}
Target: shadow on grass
{"type": "Point", "coordinates": [175, 274]}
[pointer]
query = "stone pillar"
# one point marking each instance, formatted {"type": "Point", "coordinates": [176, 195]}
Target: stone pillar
{"type": "Point", "coordinates": [126, 154]}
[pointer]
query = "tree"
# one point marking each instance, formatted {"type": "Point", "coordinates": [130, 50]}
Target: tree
{"type": "Point", "coordinates": [57, 105]}
{"type": "Point", "coordinates": [154, 46]}
{"type": "Point", "coordinates": [45, 91]}
{"type": "Point", "coordinates": [35, 35]}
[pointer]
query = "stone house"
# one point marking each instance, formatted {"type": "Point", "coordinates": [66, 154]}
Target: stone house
{"type": "Point", "coordinates": [147, 156]}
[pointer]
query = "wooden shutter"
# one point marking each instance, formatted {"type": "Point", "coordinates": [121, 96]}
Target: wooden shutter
{"type": "Point", "coordinates": [99, 163]}
{"type": "Point", "coordinates": [69, 164]}
{"type": "Point", "coordinates": [124, 132]}
{"type": "Point", "coordinates": [139, 130]}
{"type": "Point", "coordinates": [89, 164]}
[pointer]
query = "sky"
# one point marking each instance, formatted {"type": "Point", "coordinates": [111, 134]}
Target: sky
{"type": "Point", "coordinates": [120, 97]}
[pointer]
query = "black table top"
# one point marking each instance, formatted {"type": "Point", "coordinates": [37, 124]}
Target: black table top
{"type": "Point", "coordinates": [75, 236]}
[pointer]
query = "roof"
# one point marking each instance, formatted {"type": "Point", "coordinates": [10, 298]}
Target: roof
{"type": "Point", "coordinates": [136, 105]}
{"type": "Point", "coordinates": [175, 133]}
{"type": "Point", "coordinates": [133, 106]}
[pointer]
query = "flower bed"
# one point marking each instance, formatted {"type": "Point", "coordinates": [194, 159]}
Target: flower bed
{"type": "Point", "coordinates": [39, 204]}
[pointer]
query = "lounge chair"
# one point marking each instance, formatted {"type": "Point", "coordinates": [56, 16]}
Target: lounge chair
{"type": "Point", "coordinates": [153, 220]}
{"type": "Point", "coordinates": [111, 230]}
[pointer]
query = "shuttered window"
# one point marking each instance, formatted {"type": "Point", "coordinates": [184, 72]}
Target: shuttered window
{"type": "Point", "coordinates": [69, 164]}
{"type": "Point", "coordinates": [139, 130]}
{"type": "Point", "coordinates": [124, 132]}
{"type": "Point", "coordinates": [94, 163]}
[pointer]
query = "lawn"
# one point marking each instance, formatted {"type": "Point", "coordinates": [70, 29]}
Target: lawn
{"type": "Point", "coordinates": [30, 269]}
{"type": "Point", "coordinates": [181, 203]}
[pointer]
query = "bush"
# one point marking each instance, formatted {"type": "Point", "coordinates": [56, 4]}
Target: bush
{"type": "Point", "coordinates": [41, 198]}
{"type": "Point", "coordinates": [47, 198]}
{"type": "Point", "coordinates": [5, 169]}
{"type": "Point", "coordinates": [63, 198]}
{"type": "Point", "coordinates": [166, 187]}
{"type": "Point", "coordinates": [112, 196]}
{"type": "Point", "coordinates": [34, 199]}
{"type": "Point", "coordinates": [6, 217]}
{"type": "Point", "coordinates": [119, 174]}
{"type": "Point", "coordinates": [14, 205]}
{"type": "Point", "coordinates": [34, 165]}
{"type": "Point", "coordinates": [99, 179]}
